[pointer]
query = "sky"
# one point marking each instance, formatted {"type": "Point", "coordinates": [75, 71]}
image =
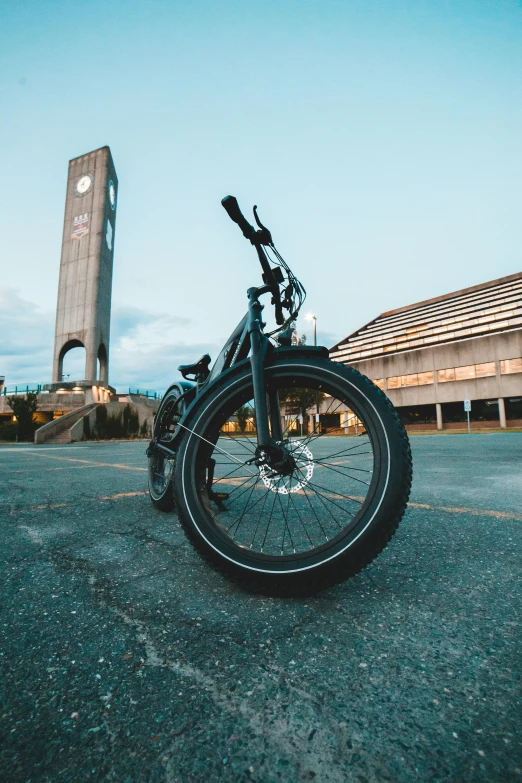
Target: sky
{"type": "Point", "coordinates": [380, 139]}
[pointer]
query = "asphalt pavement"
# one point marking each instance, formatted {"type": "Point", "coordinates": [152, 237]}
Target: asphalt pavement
{"type": "Point", "coordinates": [125, 658]}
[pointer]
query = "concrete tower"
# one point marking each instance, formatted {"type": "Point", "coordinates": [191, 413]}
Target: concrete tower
{"type": "Point", "coordinates": [84, 292]}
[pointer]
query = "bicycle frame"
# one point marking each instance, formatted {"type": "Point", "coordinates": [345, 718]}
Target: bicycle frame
{"type": "Point", "coordinates": [247, 337]}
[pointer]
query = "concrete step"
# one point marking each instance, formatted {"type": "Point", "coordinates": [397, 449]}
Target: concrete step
{"type": "Point", "coordinates": [59, 430]}
{"type": "Point", "coordinates": [63, 437]}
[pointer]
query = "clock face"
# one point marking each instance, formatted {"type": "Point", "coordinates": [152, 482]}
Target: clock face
{"type": "Point", "coordinates": [112, 194]}
{"type": "Point", "coordinates": [83, 184]}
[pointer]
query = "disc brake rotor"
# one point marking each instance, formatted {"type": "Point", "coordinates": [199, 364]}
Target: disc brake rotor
{"type": "Point", "coordinates": [298, 479]}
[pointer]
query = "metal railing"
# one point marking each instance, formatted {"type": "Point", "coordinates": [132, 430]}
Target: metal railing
{"type": "Point", "coordinates": [151, 395]}
{"type": "Point", "coordinates": [37, 388]}
{"type": "Point", "coordinates": [22, 389]}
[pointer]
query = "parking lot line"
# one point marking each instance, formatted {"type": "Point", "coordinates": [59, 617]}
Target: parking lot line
{"type": "Point", "coordinates": [49, 506]}
{"type": "Point", "coordinates": [480, 512]}
{"type": "Point", "coordinates": [88, 462]}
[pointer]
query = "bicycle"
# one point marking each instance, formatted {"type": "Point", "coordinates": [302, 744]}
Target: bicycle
{"type": "Point", "coordinates": [266, 489]}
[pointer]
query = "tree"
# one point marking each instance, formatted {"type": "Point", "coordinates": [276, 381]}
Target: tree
{"type": "Point", "coordinates": [131, 422]}
{"type": "Point", "coordinates": [244, 413]}
{"type": "Point", "coordinates": [300, 400]}
{"type": "Point", "coordinates": [24, 409]}
{"type": "Point", "coordinates": [87, 433]}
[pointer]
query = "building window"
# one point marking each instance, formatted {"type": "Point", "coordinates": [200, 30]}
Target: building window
{"type": "Point", "coordinates": [443, 376]}
{"type": "Point", "coordinates": [485, 369]}
{"type": "Point", "coordinates": [468, 372]}
{"type": "Point", "coordinates": [425, 378]}
{"type": "Point", "coordinates": [465, 373]}
{"type": "Point", "coordinates": [414, 379]}
{"type": "Point", "coordinates": [510, 366]}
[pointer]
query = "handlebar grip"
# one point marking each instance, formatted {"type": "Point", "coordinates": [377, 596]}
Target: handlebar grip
{"type": "Point", "coordinates": [232, 208]}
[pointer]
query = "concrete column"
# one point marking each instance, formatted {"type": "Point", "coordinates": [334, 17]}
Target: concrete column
{"type": "Point", "coordinates": [91, 362]}
{"type": "Point", "coordinates": [502, 412]}
{"type": "Point", "coordinates": [438, 408]}
{"type": "Point", "coordinates": [311, 415]}
{"type": "Point", "coordinates": [104, 368]}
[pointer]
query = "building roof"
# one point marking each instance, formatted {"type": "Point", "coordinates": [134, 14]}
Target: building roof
{"type": "Point", "coordinates": [472, 312]}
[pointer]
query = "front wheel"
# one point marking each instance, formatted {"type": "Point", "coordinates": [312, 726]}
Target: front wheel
{"type": "Point", "coordinates": [319, 515]}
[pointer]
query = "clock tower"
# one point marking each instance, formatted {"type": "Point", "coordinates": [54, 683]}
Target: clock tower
{"type": "Point", "coordinates": [84, 290]}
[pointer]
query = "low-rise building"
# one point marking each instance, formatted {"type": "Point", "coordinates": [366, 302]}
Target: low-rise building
{"type": "Point", "coordinates": [430, 356]}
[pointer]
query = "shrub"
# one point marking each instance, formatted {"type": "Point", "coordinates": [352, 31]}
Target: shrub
{"type": "Point", "coordinates": [24, 408]}
{"type": "Point", "coordinates": [8, 431]}
{"type": "Point", "coordinates": [100, 425]}
{"type": "Point", "coordinates": [131, 422]}
{"type": "Point", "coordinates": [123, 424]}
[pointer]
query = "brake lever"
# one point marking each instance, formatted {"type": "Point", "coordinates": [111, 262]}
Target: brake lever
{"type": "Point", "coordinates": [264, 235]}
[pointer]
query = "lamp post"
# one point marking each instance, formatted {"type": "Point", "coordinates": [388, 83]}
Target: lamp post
{"type": "Point", "coordinates": [312, 317]}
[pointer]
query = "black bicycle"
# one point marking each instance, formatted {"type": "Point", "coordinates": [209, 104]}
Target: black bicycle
{"type": "Point", "coordinates": [289, 472]}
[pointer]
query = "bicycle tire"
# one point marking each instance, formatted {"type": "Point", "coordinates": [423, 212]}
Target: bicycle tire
{"type": "Point", "coordinates": [364, 535]}
{"type": "Point", "coordinates": [160, 467]}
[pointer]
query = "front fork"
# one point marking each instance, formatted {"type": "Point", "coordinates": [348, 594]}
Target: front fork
{"type": "Point", "coordinates": [268, 418]}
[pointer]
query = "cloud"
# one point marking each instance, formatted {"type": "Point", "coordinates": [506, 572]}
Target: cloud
{"type": "Point", "coordinates": [145, 349]}
{"type": "Point", "coordinates": [126, 321]}
{"type": "Point", "coordinates": [26, 339]}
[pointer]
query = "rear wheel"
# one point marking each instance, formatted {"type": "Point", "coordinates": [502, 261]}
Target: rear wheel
{"type": "Point", "coordinates": [160, 465]}
{"type": "Point", "coordinates": [319, 515]}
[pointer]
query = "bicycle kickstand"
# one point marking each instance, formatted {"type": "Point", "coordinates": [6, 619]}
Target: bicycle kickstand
{"type": "Point", "coordinates": [217, 497]}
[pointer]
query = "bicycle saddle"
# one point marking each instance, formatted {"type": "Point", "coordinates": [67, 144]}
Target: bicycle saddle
{"type": "Point", "coordinates": [199, 369]}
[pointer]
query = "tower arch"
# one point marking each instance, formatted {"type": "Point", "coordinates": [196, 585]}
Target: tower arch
{"type": "Point", "coordinates": [64, 350]}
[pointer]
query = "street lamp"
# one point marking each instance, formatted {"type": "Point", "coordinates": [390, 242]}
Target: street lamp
{"type": "Point", "coordinates": [312, 317]}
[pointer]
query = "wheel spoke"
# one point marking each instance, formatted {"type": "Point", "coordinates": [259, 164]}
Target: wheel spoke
{"type": "Point", "coordinates": [314, 513]}
{"type": "Point", "coordinates": [301, 521]}
{"type": "Point", "coordinates": [269, 520]}
{"type": "Point", "coordinates": [260, 517]}
{"type": "Point", "coordinates": [334, 493]}
{"type": "Point", "coordinates": [340, 465]}
{"type": "Point", "coordinates": [343, 474]}
{"type": "Point", "coordinates": [244, 509]}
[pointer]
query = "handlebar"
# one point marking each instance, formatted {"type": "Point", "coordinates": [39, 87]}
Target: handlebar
{"type": "Point", "coordinates": [258, 239]}
{"type": "Point", "coordinates": [261, 237]}
{"type": "Point", "coordinates": [235, 214]}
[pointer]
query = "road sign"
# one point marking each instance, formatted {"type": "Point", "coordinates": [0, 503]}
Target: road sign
{"type": "Point", "coordinates": [467, 405]}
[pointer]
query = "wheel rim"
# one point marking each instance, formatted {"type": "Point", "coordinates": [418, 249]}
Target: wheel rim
{"type": "Point", "coordinates": [285, 519]}
{"type": "Point", "coordinates": [160, 465]}
{"type": "Point", "coordinates": [160, 474]}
